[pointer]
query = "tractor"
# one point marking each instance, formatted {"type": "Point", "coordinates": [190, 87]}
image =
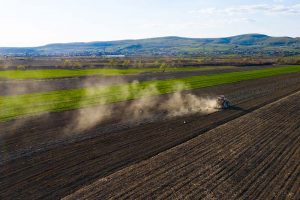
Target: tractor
{"type": "Point", "coordinates": [223, 102]}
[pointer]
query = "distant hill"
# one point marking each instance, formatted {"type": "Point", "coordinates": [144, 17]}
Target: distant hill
{"type": "Point", "coordinates": [249, 44]}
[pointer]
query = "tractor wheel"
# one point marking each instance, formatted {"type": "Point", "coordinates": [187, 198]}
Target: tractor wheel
{"type": "Point", "coordinates": [225, 105]}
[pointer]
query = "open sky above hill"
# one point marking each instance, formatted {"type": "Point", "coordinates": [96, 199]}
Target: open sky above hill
{"type": "Point", "coordinates": [35, 22]}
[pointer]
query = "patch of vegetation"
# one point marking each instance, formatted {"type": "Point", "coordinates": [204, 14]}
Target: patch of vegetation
{"type": "Point", "coordinates": [63, 73]}
{"type": "Point", "coordinates": [30, 104]}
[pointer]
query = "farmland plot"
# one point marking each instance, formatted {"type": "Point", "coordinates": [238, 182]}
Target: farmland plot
{"type": "Point", "coordinates": [39, 161]}
{"type": "Point", "coordinates": [256, 156]}
{"type": "Point", "coordinates": [36, 103]}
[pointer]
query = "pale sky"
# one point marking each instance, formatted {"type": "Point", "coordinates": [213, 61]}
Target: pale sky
{"type": "Point", "coordinates": [39, 22]}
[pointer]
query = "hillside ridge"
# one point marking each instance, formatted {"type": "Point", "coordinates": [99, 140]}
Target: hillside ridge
{"type": "Point", "coordinates": [247, 44]}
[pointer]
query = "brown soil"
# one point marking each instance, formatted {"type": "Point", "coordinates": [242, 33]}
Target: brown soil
{"type": "Point", "coordinates": [256, 156]}
{"type": "Point", "coordinates": [38, 160]}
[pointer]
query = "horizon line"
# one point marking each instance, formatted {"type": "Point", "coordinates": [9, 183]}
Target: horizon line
{"type": "Point", "coordinates": [133, 39]}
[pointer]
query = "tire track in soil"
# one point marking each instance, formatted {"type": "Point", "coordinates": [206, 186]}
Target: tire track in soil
{"type": "Point", "coordinates": [270, 178]}
{"type": "Point", "coordinates": [273, 155]}
{"type": "Point", "coordinates": [211, 179]}
{"type": "Point", "coordinates": [221, 176]}
{"type": "Point", "coordinates": [295, 189]}
{"type": "Point", "coordinates": [285, 174]}
{"type": "Point", "coordinates": [269, 130]}
{"type": "Point", "coordinates": [186, 173]}
{"type": "Point", "coordinates": [245, 191]}
{"type": "Point", "coordinates": [177, 166]}
{"type": "Point", "coordinates": [257, 176]}
{"type": "Point", "coordinates": [293, 184]}
{"type": "Point", "coordinates": [250, 176]}
{"type": "Point", "coordinates": [154, 180]}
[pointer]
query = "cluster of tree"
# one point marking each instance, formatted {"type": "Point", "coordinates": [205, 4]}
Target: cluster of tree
{"type": "Point", "coordinates": [293, 60]}
{"type": "Point", "coordinates": [141, 62]}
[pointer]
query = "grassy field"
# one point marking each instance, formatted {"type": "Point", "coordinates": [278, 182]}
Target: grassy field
{"type": "Point", "coordinates": [62, 73]}
{"type": "Point", "coordinates": [30, 104]}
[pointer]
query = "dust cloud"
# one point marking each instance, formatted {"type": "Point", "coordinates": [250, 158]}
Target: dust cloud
{"type": "Point", "coordinates": [148, 105]}
{"type": "Point", "coordinates": [180, 104]}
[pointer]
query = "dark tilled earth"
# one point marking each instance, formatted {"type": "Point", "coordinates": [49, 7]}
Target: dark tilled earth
{"type": "Point", "coordinates": [40, 160]}
{"type": "Point", "coordinates": [256, 156]}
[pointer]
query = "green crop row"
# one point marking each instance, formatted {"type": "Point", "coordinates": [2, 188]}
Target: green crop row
{"type": "Point", "coordinates": [62, 73]}
{"type": "Point", "coordinates": [12, 107]}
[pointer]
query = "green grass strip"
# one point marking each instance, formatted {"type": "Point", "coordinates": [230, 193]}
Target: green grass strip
{"type": "Point", "coordinates": [64, 73]}
{"type": "Point", "coordinates": [12, 107]}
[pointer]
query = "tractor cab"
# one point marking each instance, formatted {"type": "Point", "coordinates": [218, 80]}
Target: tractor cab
{"type": "Point", "coordinates": [223, 102]}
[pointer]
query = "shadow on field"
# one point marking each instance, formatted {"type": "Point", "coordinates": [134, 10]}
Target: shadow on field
{"type": "Point", "coordinates": [237, 108]}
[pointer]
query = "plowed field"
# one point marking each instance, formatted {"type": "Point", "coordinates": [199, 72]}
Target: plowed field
{"type": "Point", "coordinates": [256, 156]}
{"type": "Point", "coordinates": [249, 151]}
